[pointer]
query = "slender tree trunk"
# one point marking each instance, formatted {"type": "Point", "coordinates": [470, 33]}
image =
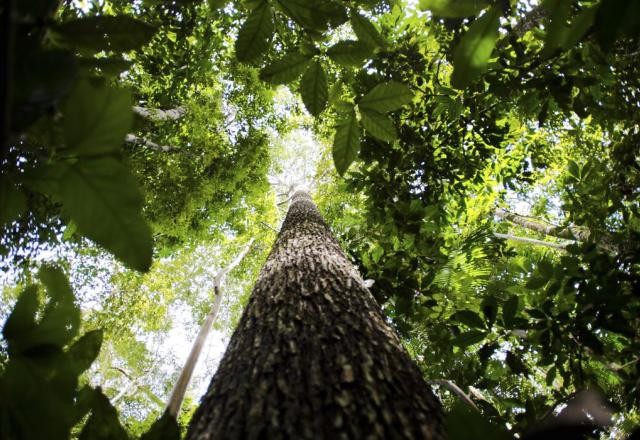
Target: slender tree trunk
{"type": "Point", "coordinates": [313, 356]}
{"type": "Point", "coordinates": [180, 388]}
{"type": "Point", "coordinates": [133, 139]}
{"type": "Point", "coordinates": [156, 114]}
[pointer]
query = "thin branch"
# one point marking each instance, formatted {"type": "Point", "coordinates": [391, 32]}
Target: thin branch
{"type": "Point", "coordinates": [133, 139]}
{"type": "Point", "coordinates": [528, 240]}
{"type": "Point", "coordinates": [455, 389]}
{"type": "Point", "coordinates": [156, 114]}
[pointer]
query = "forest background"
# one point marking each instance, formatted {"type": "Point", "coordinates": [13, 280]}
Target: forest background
{"type": "Point", "coordinates": [478, 161]}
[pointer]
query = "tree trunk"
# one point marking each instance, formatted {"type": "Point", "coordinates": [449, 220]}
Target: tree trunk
{"type": "Point", "coordinates": [313, 356]}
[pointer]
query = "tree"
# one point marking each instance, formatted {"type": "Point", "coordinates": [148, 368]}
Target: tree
{"type": "Point", "coordinates": [312, 355]}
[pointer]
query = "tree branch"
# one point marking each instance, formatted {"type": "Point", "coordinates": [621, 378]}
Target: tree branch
{"type": "Point", "coordinates": [133, 139]}
{"type": "Point", "coordinates": [530, 241]}
{"type": "Point", "coordinates": [455, 389]}
{"type": "Point", "coordinates": [156, 114]}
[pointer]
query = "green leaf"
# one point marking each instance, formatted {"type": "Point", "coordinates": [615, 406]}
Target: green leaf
{"type": "Point", "coordinates": [453, 8]}
{"type": "Point", "coordinates": [378, 125]}
{"type": "Point", "coordinates": [515, 364]}
{"type": "Point", "coordinates": [469, 318]}
{"type": "Point", "coordinates": [61, 317]}
{"type": "Point", "coordinates": [580, 26]}
{"type": "Point", "coordinates": [120, 33]}
{"type": "Point", "coordinates": [545, 269]}
{"type": "Point", "coordinates": [103, 424]}
{"type": "Point", "coordinates": [102, 198]}
{"type": "Point", "coordinates": [350, 52]}
{"type": "Point", "coordinates": [465, 423]}
{"type": "Point", "coordinates": [509, 310]}
{"type": "Point", "coordinates": [469, 338]}
{"type": "Point", "coordinates": [386, 97]}
{"type": "Point", "coordinates": [556, 27]}
{"type": "Point", "coordinates": [314, 89]}
{"type": "Point", "coordinates": [285, 70]}
{"type": "Point", "coordinates": [165, 428]}
{"type": "Point", "coordinates": [85, 350]}
{"type": "Point", "coordinates": [22, 317]}
{"type": "Point", "coordinates": [346, 143]}
{"type": "Point", "coordinates": [472, 54]}
{"type": "Point", "coordinates": [255, 34]}
{"type": "Point", "coordinates": [109, 66]}
{"type": "Point", "coordinates": [96, 119]}
{"type": "Point", "coordinates": [366, 31]}
{"type": "Point", "coordinates": [314, 15]}
{"type": "Point", "coordinates": [12, 202]}
{"type": "Point", "coordinates": [536, 282]}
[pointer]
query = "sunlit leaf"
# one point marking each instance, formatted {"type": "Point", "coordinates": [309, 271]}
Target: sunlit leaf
{"type": "Point", "coordinates": [287, 69]}
{"type": "Point", "coordinates": [475, 48]}
{"type": "Point", "coordinates": [314, 88]}
{"type": "Point", "coordinates": [255, 34]}
{"type": "Point", "coordinates": [378, 125]}
{"type": "Point", "coordinates": [453, 8]}
{"type": "Point", "coordinates": [386, 97]}
{"type": "Point", "coordinates": [349, 52]}
{"type": "Point", "coordinates": [346, 143]}
{"type": "Point", "coordinates": [366, 31]}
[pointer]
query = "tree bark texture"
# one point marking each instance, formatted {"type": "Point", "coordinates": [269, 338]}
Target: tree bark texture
{"type": "Point", "coordinates": [313, 355]}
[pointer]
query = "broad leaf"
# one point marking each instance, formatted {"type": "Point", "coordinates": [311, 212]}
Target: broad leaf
{"type": "Point", "coordinates": [366, 31]}
{"type": "Point", "coordinates": [515, 364]}
{"type": "Point", "coordinates": [314, 15]}
{"type": "Point", "coordinates": [22, 317]}
{"type": "Point", "coordinates": [453, 8]}
{"type": "Point", "coordinates": [255, 34]}
{"type": "Point", "coordinates": [103, 424]}
{"type": "Point", "coordinates": [509, 310]}
{"type": "Point", "coordinates": [109, 66]}
{"type": "Point", "coordinates": [314, 88]}
{"type": "Point", "coordinates": [165, 428]}
{"type": "Point", "coordinates": [556, 26]}
{"type": "Point", "coordinates": [469, 338]}
{"type": "Point", "coordinates": [102, 198]}
{"type": "Point", "coordinates": [346, 143]}
{"type": "Point", "coordinates": [469, 318]}
{"type": "Point", "coordinates": [472, 54]}
{"type": "Point", "coordinates": [120, 33]}
{"type": "Point", "coordinates": [285, 70]}
{"type": "Point", "coordinates": [386, 97]}
{"type": "Point", "coordinates": [378, 125]}
{"type": "Point", "coordinates": [350, 52]}
{"type": "Point", "coordinates": [96, 119]}
{"type": "Point", "coordinates": [85, 350]}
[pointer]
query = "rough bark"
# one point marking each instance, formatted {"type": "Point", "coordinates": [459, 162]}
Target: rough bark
{"type": "Point", "coordinates": [313, 355]}
{"type": "Point", "coordinates": [177, 395]}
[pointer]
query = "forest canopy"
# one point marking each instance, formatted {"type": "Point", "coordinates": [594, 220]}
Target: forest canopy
{"type": "Point", "coordinates": [477, 160]}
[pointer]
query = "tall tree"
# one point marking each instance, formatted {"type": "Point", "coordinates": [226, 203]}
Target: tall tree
{"type": "Point", "coordinates": [313, 355]}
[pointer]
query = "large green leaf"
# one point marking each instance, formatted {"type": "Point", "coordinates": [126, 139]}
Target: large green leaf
{"type": "Point", "coordinates": [386, 97]}
{"type": "Point", "coordinates": [558, 12]}
{"type": "Point", "coordinates": [314, 15]}
{"type": "Point", "coordinates": [85, 350]}
{"type": "Point", "coordinates": [366, 31]}
{"type": "Point", "coordinates": [255, 34]}
{"type": "Point", "coordinates": [314, 88]}
{"type": "Point", "coordinates": [378, 125]}
{"type": "Point", "coordinates": [120, 33]}
{"type": "Point", "coordinates": [469, 338]}
{"type": "Point", "coordinates": [346, 143]}
{"type": "Point", "coordinates": [103, 424]}
{"type": "Point", "coordinates": [22, 317]}
{"type": "Point", "coordinates": [469, 318]}
{"type": "Point", "coordinates": [102, 198]}
{"type": "Point", "coordinates": [96, 118]}
{"type": "Point", "coordinates": [350, 52]}
{"type": "Point", "coordinates": [453, 8]}
{"type": "Point", "coordinates": [287, 69]}
{"type": "Point", "coordinates": [472, 54]}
